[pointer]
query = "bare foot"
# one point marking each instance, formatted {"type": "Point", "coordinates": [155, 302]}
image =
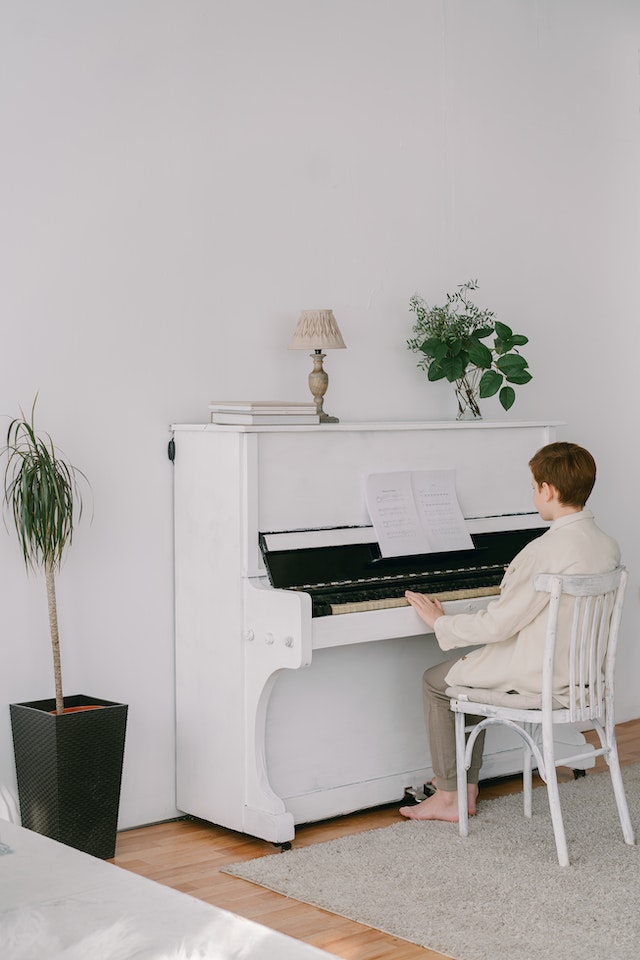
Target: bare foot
{"type": "Point", "coordinates": [472, 796]}
{"type": "Point", "coordinates": [442, 805]}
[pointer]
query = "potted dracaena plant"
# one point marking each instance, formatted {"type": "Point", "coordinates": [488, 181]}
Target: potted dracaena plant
{"type": "Point", "coordinates": [449, 339]}
{"type": "Point", "coordinates": [68, 750]}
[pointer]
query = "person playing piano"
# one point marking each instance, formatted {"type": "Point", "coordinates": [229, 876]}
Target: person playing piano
{"type": "Point", "coordinates": [510, 633]}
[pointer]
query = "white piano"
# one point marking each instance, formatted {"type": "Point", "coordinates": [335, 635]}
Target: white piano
{"type": "Point", "coordinates": [285, 716]}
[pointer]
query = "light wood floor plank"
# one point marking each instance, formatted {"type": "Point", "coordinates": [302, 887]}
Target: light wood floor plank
{"type": "Point", "coordinates": [188, 855]}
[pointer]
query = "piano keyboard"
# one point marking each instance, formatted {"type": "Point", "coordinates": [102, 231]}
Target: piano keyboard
{"type": "Point", "coordinates": [384, 603]}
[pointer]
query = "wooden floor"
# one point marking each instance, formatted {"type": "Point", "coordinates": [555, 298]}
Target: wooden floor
{"type": "Point", "coordinates": [189, 854]}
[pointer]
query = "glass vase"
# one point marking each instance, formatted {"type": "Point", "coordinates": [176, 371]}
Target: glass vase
{"type": "Point", "coordinates": [467, 396]}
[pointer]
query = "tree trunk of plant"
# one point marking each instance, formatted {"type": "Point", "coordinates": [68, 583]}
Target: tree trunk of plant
{"type": "Point", "coordinates": [55, 639]}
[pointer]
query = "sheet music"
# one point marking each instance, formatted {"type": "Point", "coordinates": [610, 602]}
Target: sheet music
{"type": "Point", "coordinates": [416, 511]}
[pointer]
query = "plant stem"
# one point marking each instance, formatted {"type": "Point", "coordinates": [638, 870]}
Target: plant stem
{"type": "Point", "coordinates": [467, 397]}
{"type": "Point", "coordinates": [55, 638]}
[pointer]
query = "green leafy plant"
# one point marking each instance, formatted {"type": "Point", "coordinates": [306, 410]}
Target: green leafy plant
{"type": "Point", "coordinates": [450, 341]}
{"type": "Point", "coordinates": [43, 498]}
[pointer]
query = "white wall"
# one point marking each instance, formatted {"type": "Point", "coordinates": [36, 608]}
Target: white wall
{"type": "Point", "coordinates": [179, 179]}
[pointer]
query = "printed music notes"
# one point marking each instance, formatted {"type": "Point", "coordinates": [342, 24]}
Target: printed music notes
{"type": "Point", "coordinates": [415, 512]}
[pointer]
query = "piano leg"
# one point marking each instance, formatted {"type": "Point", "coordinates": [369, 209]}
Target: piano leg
{"type": "Point", "coordinates": [277, 638]}
{"type": "Point", "coordinates": [264, 813]}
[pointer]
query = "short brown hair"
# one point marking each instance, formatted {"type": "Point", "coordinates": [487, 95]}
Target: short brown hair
{"type": "Point", "coordinates": [567, 467]}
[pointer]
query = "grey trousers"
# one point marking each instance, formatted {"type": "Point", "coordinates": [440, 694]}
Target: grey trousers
{"type": "Point", "coordinates": [441, 732]}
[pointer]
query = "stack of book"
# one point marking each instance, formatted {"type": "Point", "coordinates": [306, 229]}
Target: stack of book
{"type": "Point", "coordinates": [263, 412]}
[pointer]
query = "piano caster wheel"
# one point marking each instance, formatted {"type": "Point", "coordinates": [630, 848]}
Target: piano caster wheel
{"type": "Point", "coordinates": [579, 773]}
{"type": "Point", "coordinates": [283, 846]}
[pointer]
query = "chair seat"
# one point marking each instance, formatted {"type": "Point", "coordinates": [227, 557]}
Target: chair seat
{"type": "Point", "coordinates": [500, 698]}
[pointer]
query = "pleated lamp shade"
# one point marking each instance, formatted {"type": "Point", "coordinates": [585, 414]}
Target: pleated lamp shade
{"type": "Point", "coordinates": [317, 330]}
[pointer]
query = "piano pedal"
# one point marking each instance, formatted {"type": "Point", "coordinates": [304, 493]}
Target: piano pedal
{"type": "Point", "coordinates": [413, 795]}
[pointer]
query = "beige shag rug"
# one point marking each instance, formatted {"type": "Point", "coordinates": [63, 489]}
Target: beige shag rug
{"type": "Point", "coordinates": [496, 895]}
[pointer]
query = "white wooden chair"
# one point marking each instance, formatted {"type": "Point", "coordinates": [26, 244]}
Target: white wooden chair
{"type": "Point", "coordinates": [591, 650]}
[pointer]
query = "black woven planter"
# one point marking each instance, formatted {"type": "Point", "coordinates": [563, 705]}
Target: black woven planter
{"type": "Point", "coordinates": [69, 770]}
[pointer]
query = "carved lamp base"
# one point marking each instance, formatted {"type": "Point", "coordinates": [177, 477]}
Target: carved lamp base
{"type": "Point", "coordinates": [318, 383]}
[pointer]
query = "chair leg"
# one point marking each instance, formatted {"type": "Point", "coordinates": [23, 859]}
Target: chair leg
{"type": "Point", "coordinates": [555, 809]}
{"type": "Point", "coordinates": [461, 772]}
{"type": "Point", "coordinates": [621, 798]}
{"type": "Point", "coordinates": [527, 782]}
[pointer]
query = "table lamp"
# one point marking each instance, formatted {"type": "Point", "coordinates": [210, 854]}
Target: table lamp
{"type": "Point", "coordinates": [317, 330]}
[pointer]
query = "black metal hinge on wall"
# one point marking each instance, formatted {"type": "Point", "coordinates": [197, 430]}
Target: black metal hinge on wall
{"type": "Point", "coordinates": [171, 450]}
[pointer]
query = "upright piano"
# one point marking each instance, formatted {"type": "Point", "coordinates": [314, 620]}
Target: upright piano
{"type": "Point", "coordinates": [298, 661]}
